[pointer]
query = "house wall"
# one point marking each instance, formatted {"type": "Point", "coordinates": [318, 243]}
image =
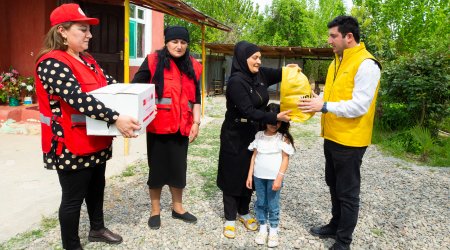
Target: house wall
{"type": "Point", "coordinates": [4, 44]}
{"type": "Point", "coordinates": [24, 25]}
{"type": "Point", "coordinates": [27, 22]}
{"type": "Point", "coordinates": [157, 30]}
{"type": "Point", "coordinates": [157, 37]}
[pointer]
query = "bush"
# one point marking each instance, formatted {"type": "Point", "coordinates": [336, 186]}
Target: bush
{"type": "Point", "coordinates": [445, 124]}
{"type": "Point", "coordinates": [394, 116]}
{"type": "Point", "coordinates": [419, 86]}
{"type": "Point", "coordinates": [440, 154]}
{"type": "Point", "coordinates": [422, 136]}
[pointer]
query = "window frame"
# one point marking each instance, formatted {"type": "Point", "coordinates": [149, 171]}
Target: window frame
{"type": "Point", "coordinates": [146, 20]}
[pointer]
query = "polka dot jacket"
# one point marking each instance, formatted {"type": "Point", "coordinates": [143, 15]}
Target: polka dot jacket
{"type": "Point", "coordinates": [58, 79]}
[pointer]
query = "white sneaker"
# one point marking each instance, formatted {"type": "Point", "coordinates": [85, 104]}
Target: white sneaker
{"type": "Point", "coordinates": [273, 240]}
{"type": "Point", "coordinates": [261, 238]}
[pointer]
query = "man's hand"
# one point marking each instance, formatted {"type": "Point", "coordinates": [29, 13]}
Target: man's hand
{"type": "Point", "coordinates": [314, 104]}
{"type": "Point", "coordinates": [293, 65]}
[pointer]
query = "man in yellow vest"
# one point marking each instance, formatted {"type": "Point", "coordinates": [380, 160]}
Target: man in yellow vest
{"type": "Point", "coordinates": [348, 109]}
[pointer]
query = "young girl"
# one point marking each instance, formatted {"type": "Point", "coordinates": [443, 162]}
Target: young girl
{"type": "Point", "coordinates": [271, 150]}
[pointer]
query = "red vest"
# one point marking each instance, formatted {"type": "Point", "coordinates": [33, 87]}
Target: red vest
{"type": "Point", "coordinates": [72, 121]}
{"type": "Point", "coordinates": [175, 106]}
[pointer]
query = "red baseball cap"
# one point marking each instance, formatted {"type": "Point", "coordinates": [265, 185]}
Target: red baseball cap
{"type": "Point", "coordinates": [70, 12]}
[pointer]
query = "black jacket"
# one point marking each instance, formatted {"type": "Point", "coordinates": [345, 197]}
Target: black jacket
{"type": "Point", "coordinates": [247, 98]}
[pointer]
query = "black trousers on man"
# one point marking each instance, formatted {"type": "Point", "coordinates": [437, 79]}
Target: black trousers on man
{"type": "Point", "coordinates": [85, 184]}
{"type": "Point", "coordinates": [342, 175]}
{"type": "Point", "coordinates": [235, 204]}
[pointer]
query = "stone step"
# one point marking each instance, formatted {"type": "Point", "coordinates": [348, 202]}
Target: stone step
{"type": "Point", "coordinates": [22, 113]}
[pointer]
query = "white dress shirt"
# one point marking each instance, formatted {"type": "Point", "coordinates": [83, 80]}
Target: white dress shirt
{"type": "Point", "coordinates": [366, 82]}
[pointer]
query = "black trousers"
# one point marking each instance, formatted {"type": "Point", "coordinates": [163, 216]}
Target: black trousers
{"type": "Point", "coordinates": [86, 184]}
{"type": "Point", "coordinates": [235, 204]}
{"type": "Point", "coordinates": [342, 175]}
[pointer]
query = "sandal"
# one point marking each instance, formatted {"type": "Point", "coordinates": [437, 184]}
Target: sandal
{"type": "Point", "coordinates": [229, 232]}
{"type": "Point", "coordinates": [250, 224]}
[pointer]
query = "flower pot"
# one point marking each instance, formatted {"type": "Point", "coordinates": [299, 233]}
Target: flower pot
{"type": "Point", "coordinates": [13, 101]}
{"type": "Point", "coordinates": [27, 100]}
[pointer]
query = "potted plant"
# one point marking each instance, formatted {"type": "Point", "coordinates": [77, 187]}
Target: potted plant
{"type": "Point", "coordinates": [3, 94]}
{"type": "Point", "coordinates": [11, 86]}
{"type": "Point", "coordinates": [27, 86]}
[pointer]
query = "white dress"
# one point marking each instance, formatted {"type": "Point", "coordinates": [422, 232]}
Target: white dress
{"type": "Point", "coordinates": [269, 156]}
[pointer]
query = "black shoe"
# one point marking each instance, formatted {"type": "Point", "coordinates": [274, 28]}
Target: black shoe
{"type": "Point", "coordinates": [186, 217]}
{"type": "Point", "coordinates": [104, 235]}
{"type": "Point", "coordinates": [326, 231]}
{"type": "Point", "coordinates": [337, 246]}
{"type": "Point", "coordinates": [154, 222]}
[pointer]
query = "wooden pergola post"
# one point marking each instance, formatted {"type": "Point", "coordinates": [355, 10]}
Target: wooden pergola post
{"type": "Point", "coordinates": [204, 70]}
{"type": "Point", "coordinates": [126, 60]}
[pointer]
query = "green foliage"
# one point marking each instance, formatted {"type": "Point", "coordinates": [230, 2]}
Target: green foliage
{"type": "Point", "coordinates": [445, 124]}
{"type": "Point", "coordinates": [316, 70]}
{"type": "Point", "coordinates": [395, 27]}
{"type": "Point", "coordinates": [283, 24]}
{"type": "Point", "coordinates": [419, 86]}
{"type": "Point", "coordinates": [422, 136]}
{"type": "Point", "coordinates": [320, 13]}
{"type": "Point", "coordinates": [296, 23]}
{"type": "Point", "coordinates": [414, 144]}
{"type": "Point", "coordinates": [393, 116]}
{"type": "Point", "coordinates": [240, 15]}
{"type": "Point", "coordinates": [440, 154]}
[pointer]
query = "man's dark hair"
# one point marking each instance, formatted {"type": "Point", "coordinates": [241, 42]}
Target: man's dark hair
{"type": "Point", "coordinates": [346, 24]}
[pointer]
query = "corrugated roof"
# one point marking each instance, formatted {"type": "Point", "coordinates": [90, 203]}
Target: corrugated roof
{"type": "Point", "coordinates": [175, 8]}
{"type": "Point", "coordinates": [181, 10]}
{"type": "Point", "coordinates": [277, 51]}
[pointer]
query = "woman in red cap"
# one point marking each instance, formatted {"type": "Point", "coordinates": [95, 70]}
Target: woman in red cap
{"type": "Point", "coordinates": [64, 75]}
{"type": "Point", "coordinates": [176, 77]}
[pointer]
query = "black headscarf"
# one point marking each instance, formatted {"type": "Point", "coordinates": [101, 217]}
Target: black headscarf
{"type": "Point", "coordinates": [176, 32]}
{"type": "Point", "coordinates": [242, 51]}
{"type": "Point", "coordinates": [183, 63]}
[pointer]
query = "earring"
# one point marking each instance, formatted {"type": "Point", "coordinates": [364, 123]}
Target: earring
{"type": "Point", "coordinates": [65, 40]}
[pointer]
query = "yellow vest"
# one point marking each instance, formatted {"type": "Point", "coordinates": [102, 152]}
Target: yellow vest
{"type": "Point", "coordinates": [355, 132]}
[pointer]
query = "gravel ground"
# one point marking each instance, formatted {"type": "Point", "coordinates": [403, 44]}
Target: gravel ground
{"type": "Point", "coordinates": [403, 206]}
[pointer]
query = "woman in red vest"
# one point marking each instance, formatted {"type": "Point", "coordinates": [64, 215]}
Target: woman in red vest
{"type": "Point", "coordinates": [64, 75]}
{"type": "Point", "coordinates": [176, 77]}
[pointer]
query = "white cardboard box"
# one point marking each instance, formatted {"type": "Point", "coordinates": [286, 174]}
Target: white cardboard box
{"type": "Point", "coordinates": [136, 100]}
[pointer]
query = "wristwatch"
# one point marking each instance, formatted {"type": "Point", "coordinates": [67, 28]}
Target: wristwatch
{"type": "Point", "coordinates": [324, 108]}
{"type": "Point", "coordinates": [198, 123]}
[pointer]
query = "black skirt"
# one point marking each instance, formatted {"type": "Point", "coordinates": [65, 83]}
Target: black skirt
{"type": "Point", "coordinates": [167, 160]}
